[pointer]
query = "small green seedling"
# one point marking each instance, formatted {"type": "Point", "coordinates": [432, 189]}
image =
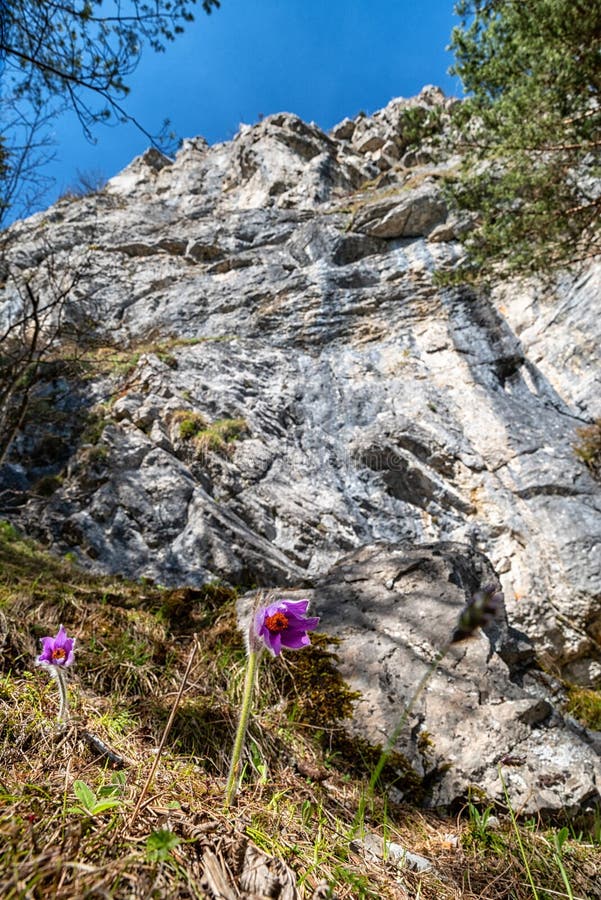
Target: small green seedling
{"type": "Point", "coordinates": [259, 763]}
{"type": "Point", "coordinates": [160, 844]}
{"type": "Point", "coordinates": [92, 804]}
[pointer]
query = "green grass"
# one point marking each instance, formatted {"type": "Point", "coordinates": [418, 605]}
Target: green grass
{"type": "Point", "coordinates": [219, 437]}
{"type": "Point", "coordinates": [190, 423]}
{"type": "Point", "coordinates": [123, 363]}
{"type": "Point", "coordinates": [215, 437]}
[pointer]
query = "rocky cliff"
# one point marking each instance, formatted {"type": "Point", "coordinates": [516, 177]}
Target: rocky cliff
{"type": "Point", "coordinates": [279, 384]}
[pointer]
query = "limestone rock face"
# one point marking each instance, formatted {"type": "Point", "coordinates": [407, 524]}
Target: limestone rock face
{"type": "Point", "coordinates": [286, 279]}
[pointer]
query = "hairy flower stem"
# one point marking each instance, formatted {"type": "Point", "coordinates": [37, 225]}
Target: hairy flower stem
{"type": "Point", "coordinates": [249, 684]}
{"type": "Point", "coordinates": [61, 682]}
{"type": "Point", "coordinates": [393, 738]}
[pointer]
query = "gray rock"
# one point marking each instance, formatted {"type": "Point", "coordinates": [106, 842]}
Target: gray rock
{"type": "Point", "coordinates": [344, 130]}
{"type": "Point", "coordinates": [413, 158]}
{"type": "Point", "coordinates": [13, 486]}
{"type": "Point", "coordinates": [561, 334]}
{"type": "Point", "coordinates": [373, 845]}
{"type": "Point", "coordinates": [409, 213]}
{"type": "Point", "coordinates": [369, 142]}
{"type": "Point", "coordinates": [391, 150]}
{"type": "Point", "coordinates": [446, 231]}
{"type": "Point", "coordinates": [476, 724]}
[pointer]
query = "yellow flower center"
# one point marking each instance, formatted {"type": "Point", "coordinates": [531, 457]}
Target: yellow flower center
{"type": "Point", "coordinates": [276, 623]}
{"type": "Point", "coordinates": [59, 654]}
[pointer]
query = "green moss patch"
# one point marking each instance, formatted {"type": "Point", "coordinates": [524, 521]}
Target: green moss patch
{"type": "Point", "coordinates": [585, 705]}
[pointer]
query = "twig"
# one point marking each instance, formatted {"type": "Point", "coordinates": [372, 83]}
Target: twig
{"type": "Point", "coordinates": [101, 749]}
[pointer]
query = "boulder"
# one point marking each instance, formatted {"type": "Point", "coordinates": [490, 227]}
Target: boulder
{"type": "Point", "coordinates": [344, 130]}
{"type": "Point", "coordinates": [487, 719]}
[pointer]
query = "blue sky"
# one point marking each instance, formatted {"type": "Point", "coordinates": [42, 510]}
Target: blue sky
{"type": "Point", "coordinates": [321, 59]}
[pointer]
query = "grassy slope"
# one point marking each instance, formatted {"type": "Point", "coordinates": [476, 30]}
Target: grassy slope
{"type": "Point", "coordinates": [303, 781]}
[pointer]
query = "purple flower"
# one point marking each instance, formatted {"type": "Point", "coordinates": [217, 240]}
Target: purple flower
{"type": "Point", "coordinates": [57, 651]}
{"type": "Point", "coordinates": [284, 624]}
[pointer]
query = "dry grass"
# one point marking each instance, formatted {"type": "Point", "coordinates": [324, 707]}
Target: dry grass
{"type": "Point", "coordinates": [298, 799]}
{"type": "Point", "coordinates": [215, 437]}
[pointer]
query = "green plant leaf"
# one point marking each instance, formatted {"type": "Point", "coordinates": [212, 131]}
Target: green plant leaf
{"type": "Point", "coordinates": [114, 788]}
{"type": "Point", "coordinates": [103, 805]}
{"type": "Point", "coordinates": [160, 843]}
{"type": "Point", "coordinates": [84, 794]}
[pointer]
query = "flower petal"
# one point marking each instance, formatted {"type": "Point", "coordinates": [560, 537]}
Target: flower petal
{"type": "Point", "coordinates": [292, 626]}
{"type": "Point", "coordinates": [295, 640]}
{"type": "Point", "coordinates": [45, 657]}
{"type": "Point", "coordinates": [295, 607]}
{"type": "Point", "coordinates": [309, 623]}
{"type": "Point", "coordinates": [274, 643]}
{"type": "Point", "coordinates": [62, 639]}
{"type": "Point", "coordinates": [47, 645]}
{"type": "Point", "coordinates": [260, 617]}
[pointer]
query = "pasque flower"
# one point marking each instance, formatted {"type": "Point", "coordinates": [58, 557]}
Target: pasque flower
{"type": "Point", "coordinates": [57, 654]}
{"type": "Point", "coordinates": [285, 624]}
{"type": "Point", "coordinates": [57, 651]}
{"type": "Point", "coordinates": [273, 626]}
